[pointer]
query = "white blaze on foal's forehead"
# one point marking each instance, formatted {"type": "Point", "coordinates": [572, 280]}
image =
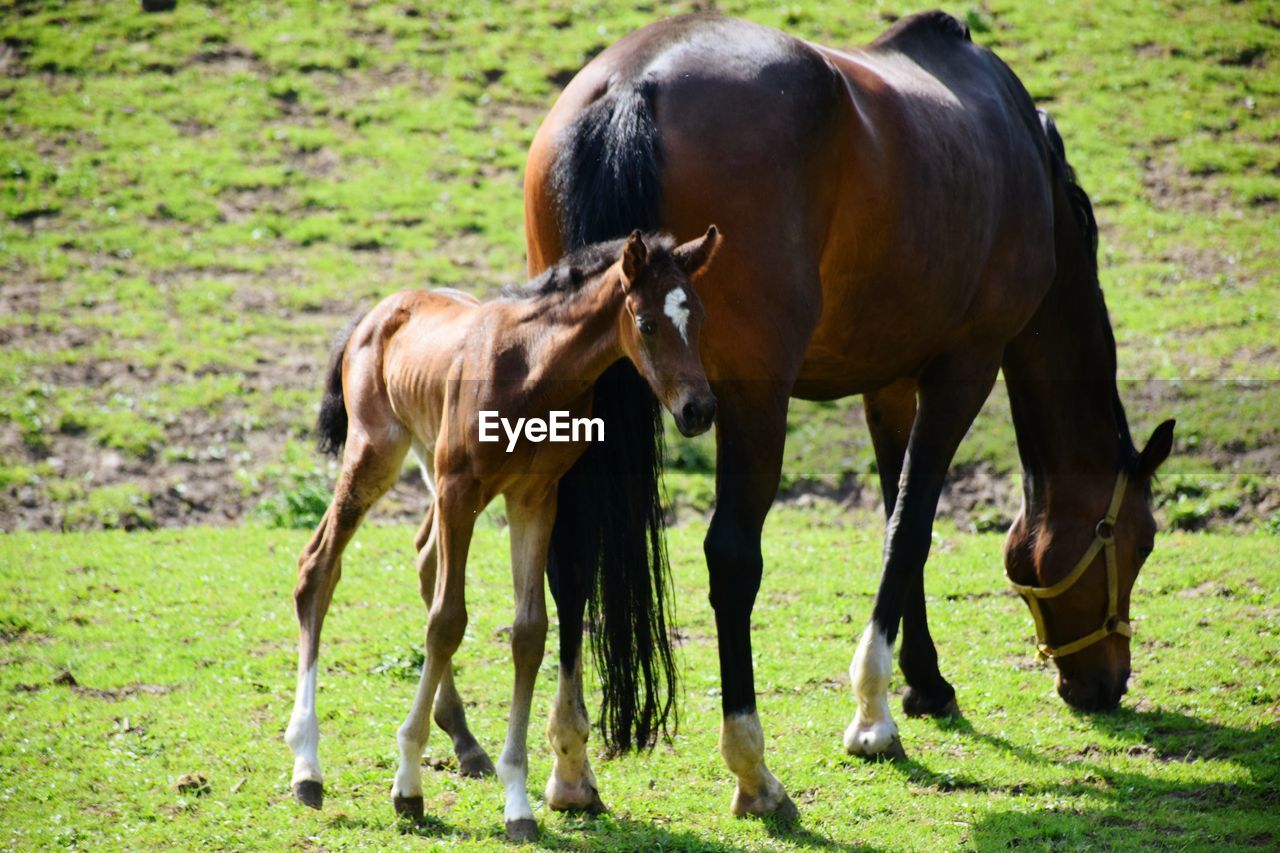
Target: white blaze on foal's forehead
{"type": "Point", "coordinates": [677, 308]}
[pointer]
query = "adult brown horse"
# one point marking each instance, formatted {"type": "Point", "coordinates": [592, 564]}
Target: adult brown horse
{"type": "Point", "coordinates": [932, 233]}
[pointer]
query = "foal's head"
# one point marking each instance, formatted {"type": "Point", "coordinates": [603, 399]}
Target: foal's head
{"type": "Point", "coordinates": [659, 327]}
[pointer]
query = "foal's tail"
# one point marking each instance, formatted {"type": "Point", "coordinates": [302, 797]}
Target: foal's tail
{"type": "Point", "coordinates": [331, 424]}
{"type": "Point", "coordinates": [608, 535]}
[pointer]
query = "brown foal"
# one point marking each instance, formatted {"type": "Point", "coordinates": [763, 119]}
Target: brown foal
{"type": "Point", "coordinates": [432, 372]}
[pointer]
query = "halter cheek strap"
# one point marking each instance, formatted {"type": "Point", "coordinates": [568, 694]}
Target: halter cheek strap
{"type": "Point", "coordinates": [1104, 540]}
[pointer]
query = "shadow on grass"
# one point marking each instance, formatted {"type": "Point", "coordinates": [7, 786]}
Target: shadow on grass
{"type": "Point", "coordinates": [610, 832]}
{"type": "Point", "coordinates": [1115, 806]}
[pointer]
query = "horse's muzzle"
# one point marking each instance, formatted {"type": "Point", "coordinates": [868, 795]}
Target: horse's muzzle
{"type": "Point", "coordinates": [695, 415]}
{"type": "Point", "coordinates": [1101, 693]}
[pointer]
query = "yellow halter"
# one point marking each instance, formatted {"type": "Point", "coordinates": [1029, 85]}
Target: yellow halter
{"type": "Point", "coordinates": [1104, 539]}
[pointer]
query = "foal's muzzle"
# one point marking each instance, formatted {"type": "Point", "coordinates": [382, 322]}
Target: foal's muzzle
{"type": "Point", "coordinates": [695, 414]}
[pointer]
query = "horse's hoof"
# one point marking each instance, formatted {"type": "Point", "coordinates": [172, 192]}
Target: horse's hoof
{"type": "Point", "coordinates": [523, 830]}
{"type": "Point", "coordinates": [582, 798]}
{"type": "Point", "coordinates": [892, 752]}
{"type": "Point", "coordinates": [596, 806]}
{"type": "Point", "coordinates": [917, 703]}
{"type": "Point", "coordinates": [408, 807]}
{"type": "Point", "coordinates": [786, 812]}
{"type": "Point", "coordinates": [770, 803]}
{"type": "Point", "coordinates": [877, 742]}
{"type": "Point", "coordinates": [475, 765]}
{"type": "Point", "coordinates": [309, 793]}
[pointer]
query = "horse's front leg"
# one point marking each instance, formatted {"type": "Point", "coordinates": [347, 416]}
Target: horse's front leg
{"type": "Point", "coordinates": [952, 390]}
{"type": "Point", "coordinates": [750, 434]}
{"type": "Point", "coordinates": [531, 517]}
{"type": "Point", "coordinates": [457, 505]}
{"type": "Point", "coordinates": [890, 412]}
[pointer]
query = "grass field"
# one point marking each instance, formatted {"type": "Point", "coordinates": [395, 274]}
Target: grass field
{"type": "Point", "coordinates": [181, 643]}
{"type": "Point", "coordinates": [191, 203]}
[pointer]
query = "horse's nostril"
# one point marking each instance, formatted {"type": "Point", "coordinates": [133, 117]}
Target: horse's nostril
{"type": "Point", "coordinates": [689, 414]}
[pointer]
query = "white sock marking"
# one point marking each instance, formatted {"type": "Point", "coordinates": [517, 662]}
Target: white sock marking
{"type": "Point", "coordinates": [303, 733]}
{"type": "Point", "coordinates": [514, 776]}
{"type": "Point", "coordinates": [872, 730]}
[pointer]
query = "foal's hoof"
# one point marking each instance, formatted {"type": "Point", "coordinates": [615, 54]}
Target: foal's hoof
{"type": "Point", "coordinates": [309, 793]}
{"type": "Point", "coordinates": [523, 830]}
{"type": "Point", "coordinates": [917, 703]}
{"type": "Point", "coordinates": [408, 807]}
{"type": "Point", "coordinates": [475, 765]}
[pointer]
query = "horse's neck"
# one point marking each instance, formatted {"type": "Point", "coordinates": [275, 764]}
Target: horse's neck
{"type": "Point", "coordinates": [1060, 375]}
{"type": "Point", "coordinates": [578, 337]}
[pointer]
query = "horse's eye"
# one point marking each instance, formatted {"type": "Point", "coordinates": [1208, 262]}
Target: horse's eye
{"type": "Point", "coordinates": [647, 326]}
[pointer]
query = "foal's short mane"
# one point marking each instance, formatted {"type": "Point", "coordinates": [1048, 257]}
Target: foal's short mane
{"type": "Point", "coordinates": [589, 261]}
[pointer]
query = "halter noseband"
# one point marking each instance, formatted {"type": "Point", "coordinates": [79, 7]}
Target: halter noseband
{"type": "Point", "coordinates": [1104, 539]}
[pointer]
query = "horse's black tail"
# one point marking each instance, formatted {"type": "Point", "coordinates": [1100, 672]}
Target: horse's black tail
{"type": "Point", "coordinates": [609, 522]}
{"type": "Point", "coordinates": [331, 424]}
{"type": "Point", "coordinates": [1076, 251]}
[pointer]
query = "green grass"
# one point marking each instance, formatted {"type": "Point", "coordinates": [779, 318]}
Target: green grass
{"type": "Point", "coordinates": [191, 203]}
{"type": "Point", "coordinates": [182, 643]}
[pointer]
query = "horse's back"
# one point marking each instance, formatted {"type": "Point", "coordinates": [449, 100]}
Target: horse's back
{"type": "Point", "coordinates": [944, 229]}
{"type": "Point", "coordinates": [866, 197]}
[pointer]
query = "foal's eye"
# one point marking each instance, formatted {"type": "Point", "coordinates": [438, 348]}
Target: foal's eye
{"type": "Point", "coordinates": [647, 326]}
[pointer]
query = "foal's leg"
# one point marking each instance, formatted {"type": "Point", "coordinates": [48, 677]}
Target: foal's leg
{"type": "Point", "coordinates": [750, 431]}
{"type": "Point", "coordinates": [952, 390]}
{"type": "Point", "coordinates": [368, 470]}
{"type": "Point", "coordinates": [457, 504]}
{"type": "Point", "coordinates": [531, 520]}
{"type": "Point", "coordinates": [890, 413]}
{"type": "Point", "coordinates": [449, 713]}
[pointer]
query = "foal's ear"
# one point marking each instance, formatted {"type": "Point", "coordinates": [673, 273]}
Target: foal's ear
{"type": "Point", "coordinates": [694, 256]}
{"type": "Point", "coordinates": [1157, 450]}
{"type": "Point", "coordinates": [634, 256]}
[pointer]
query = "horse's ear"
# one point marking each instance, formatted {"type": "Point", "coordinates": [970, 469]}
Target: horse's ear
{"type": "Point", "coordinates": [1158, 448]}
{"type": "Point", "coordinates": [694, 256]}
{"type": "Point", "coordinates": [634, 257]}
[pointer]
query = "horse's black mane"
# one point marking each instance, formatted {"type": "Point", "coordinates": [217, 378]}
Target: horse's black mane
{"type": "Point", "coordinates": [578, 267]}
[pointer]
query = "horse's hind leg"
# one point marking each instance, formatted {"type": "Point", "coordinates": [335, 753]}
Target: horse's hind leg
{"type": "Point", "coordinates": [531, 521]}
{"type": "Point", "coordinates": [952, 390]}
{"type": "Point", "coordinates": [890, 413]}
{"type": "Point", "coordinates": [571, 785]}
{"type": "Point", "coordinates": [449, 714]}
{"type": "Point", "coordinates": [368, 470]}
{"type": "Point", "coordinates": [457, 504]}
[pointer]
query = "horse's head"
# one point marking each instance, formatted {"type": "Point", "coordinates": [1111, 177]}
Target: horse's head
{"type": "Point", "coordinates": [1075, 565]}
{"type": "Point", "coordinates": [660, 326]}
